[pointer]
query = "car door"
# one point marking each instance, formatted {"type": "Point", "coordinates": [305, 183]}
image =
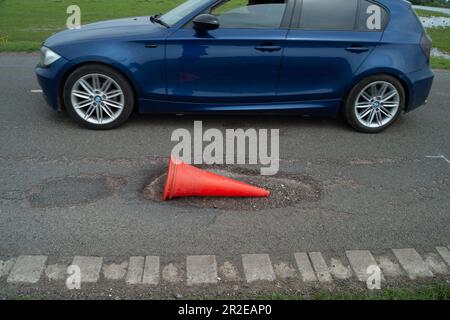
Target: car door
{"type": "Point", "coordinates": [328, 42]}
{"type": "Point", "coordinates": [237, 63]}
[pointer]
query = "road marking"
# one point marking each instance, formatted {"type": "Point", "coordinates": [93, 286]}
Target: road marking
{"type": "Point", "coordinates": [360, 261]}
{"type": "Point", "coordinates": [151, 271]}
{"type": "Point", "coordinates": [257, 267]}
{"type": "Point", "coordinates": [115, 271]}
{"type": "Point", "coordinates": [388, 267]}
{"type": "Point", "coordinates": [135, 270]}
{"type": "Point", "coordinates": [201, 270]}
{"type": "Point", "coordinates": [435, 263]}
{"type": "Point", "coordinates": [413, 263]}
{"type": "Point", "coordinates": [36, 91]}
{"type": "Point", "coordinates": [320, 266]}
{"type": "Point", "coordinates": [441, 157]}
{"type": "Point", "coordinates": [27, 269]}
{"type": "Point", "coordinates": [339, 271]}
{"type": "Point", "coordinates": [445, 254]}
{"type": "Point", "coordinates": [305, 268]}
{"type": "Point", "coordinates": [90, 268]}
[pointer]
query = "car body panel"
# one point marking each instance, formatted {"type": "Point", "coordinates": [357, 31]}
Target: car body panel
{"type": "Point", "coordinates": [321, 64]}
{"type": "Point", "coordinates": [223, 66]}
{"type": "Point", "coordinates": [177, 70]}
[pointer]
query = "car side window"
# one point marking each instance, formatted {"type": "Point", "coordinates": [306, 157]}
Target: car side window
{"type": "Point", "coordinates": [328, 14]}
{"type": "Point", "coordinates": [250, 14]}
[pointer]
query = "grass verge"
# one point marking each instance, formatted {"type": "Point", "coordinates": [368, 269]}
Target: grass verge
{"type": "Point", "coordinates": [441, 38]}
{"type": "Point", "coordinates": [429, 14]}
{"type": "Point", "coordinates": [25, 24]}
{"type": "Point", "coordinates": [431, 292]}
{"type": "Point", "coordinates": [440, 63]}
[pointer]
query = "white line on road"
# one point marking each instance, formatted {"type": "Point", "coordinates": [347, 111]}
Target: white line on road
{"type": "Point", "coordinates": [319, 264]}
{"type": "Point", "coordinates": [413, 263]}
{"type": "Point", "coordinates": [135, 270]}
{"type": "Point", "coordinates": [36, 91]}
{"type": "Point", "coordinates": [445, 254]}
{"type": "Point", "coordinates": [28, 269]}
{"type": "Point", "coordinates": [441, 157]}
{"type": "Point", "coordinates": [305, 268]}
{"type": "Point", "coordinates": [151, 271]}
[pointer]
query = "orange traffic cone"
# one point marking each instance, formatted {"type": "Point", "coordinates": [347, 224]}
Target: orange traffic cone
{"type": "Point", "coordinates": [184, 180]}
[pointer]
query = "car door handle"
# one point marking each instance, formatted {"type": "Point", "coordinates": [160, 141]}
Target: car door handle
{"type": "Point", "coordinates": [357, 49]}
{"type": "Point", "coordinates": [151, 45]}
{"type": "Point", "coordinates": [268, 48]}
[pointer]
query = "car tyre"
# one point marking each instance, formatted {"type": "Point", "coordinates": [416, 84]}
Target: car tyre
{"type": "Point", "coordinates": [367, 109]}
{"type": "Point", "coordinates": [98, 97]}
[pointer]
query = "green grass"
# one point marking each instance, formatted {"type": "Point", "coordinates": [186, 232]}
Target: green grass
{"type": "Point", "coordinates": [24, 24]}
{"type": "Point", "coordinates": [432, 292]}
{"type": "Point", "coordinates": [428, 14]}
{"type": "Point", "coordinates": [440, 63]}
{"type": "Point", "coordinates": [441, 41]}
{"type": "Point", "coordinates": [441, 38]}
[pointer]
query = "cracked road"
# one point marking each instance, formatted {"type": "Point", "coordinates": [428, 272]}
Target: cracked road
{"type": "Point", "coordinates": [68, 191]}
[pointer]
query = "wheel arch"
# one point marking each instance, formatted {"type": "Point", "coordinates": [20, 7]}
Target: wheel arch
{"type": "Point", "coordinates": [381, 71]}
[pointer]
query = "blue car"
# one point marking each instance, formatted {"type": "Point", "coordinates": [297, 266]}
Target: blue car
{"type": "Point", "coordinates": [366, 60]}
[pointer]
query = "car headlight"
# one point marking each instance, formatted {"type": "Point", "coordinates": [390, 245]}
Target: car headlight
{"type": "Point", "coordinates": [48, 57]}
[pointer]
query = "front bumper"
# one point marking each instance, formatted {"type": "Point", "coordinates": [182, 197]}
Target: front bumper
{"type": "Point", "coordinates": [419, 85]}
{"type": "Point", "coordinates": [50, 79]}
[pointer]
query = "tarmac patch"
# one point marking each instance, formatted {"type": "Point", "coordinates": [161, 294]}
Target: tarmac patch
{"type": "Point", "coordinates": [286, 191]}
{"type": "Point", "coordinates": [73, 191]}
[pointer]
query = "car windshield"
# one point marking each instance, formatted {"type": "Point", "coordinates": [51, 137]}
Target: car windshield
{"type": "Point", "coordinates": [174, 16]}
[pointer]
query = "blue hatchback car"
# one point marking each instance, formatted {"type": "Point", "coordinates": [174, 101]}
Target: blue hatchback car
{"type": "Point", "coordinates": [368, 60]}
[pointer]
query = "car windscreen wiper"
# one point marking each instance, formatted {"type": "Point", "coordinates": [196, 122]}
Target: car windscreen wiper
{"type": "Point", "coordinates": [156, 19]}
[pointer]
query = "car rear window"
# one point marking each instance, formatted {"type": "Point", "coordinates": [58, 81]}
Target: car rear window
{"type": "Point", "coordinates": [328, 14]}
{"type": "Point", "coordinates": [360, 15]}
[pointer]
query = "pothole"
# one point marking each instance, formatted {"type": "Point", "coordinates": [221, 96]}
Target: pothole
{"type": "Point", "coordinates": [285, 191]}
{"type": "Point", "coordinates": [73, 191]}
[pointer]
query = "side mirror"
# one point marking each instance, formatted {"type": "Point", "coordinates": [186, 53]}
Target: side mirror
{"type": "Point", "coordinates": [206, 22]}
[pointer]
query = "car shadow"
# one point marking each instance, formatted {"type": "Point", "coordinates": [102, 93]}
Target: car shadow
{"type": "Point", "coordinates": [239, 121]}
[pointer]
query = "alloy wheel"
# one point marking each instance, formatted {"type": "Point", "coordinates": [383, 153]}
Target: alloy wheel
{"type": "Point", "coordinates": [377, 104]}
{"type": "Point", "coordinates": [97, 99]}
